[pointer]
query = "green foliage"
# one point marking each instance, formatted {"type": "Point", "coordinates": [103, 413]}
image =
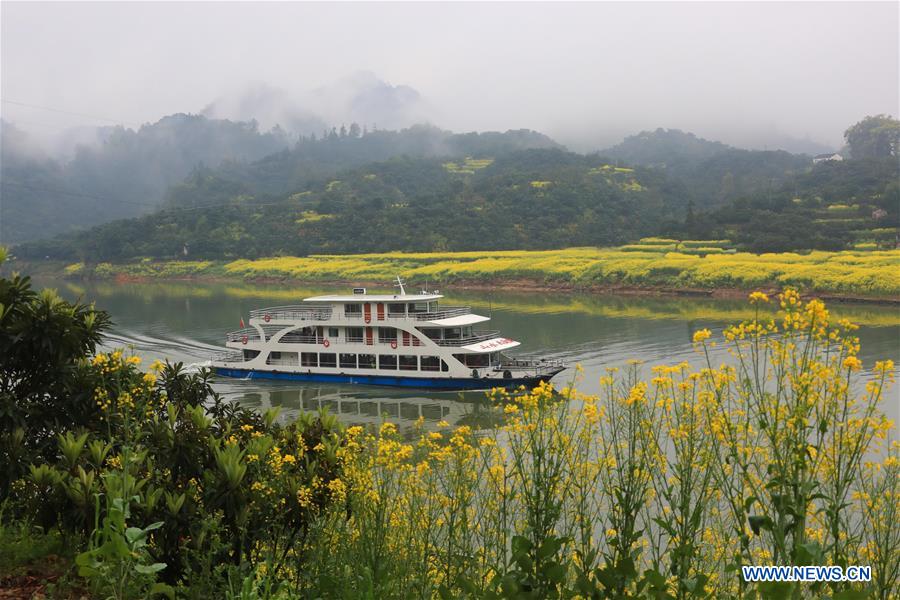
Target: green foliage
{"type": "Point", "coordinates": [827, 208]}
{"type": "Point", "coordinates": [156, 479]}
{"type": "Point", "coordinates": [117, 563]}
{"type": "Point", "coordinates": [874, 137]}
{"type": "Point", "coordinates": [711, 174]}
{"type": "Point", "coordinates": [411, 204]}
{"type": "Point", "coordinates": [125, 174]}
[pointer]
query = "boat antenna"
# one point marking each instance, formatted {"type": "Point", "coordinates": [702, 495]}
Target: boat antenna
{"type": "Point", "coordinates": [400, 285]}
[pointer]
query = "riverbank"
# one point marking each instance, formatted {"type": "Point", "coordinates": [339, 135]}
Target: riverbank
{"type": "Point", "coordinates": [853, 276]}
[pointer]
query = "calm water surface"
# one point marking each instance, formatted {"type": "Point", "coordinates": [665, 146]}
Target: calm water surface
{"type": "Point", "coordinates": [187, 322]}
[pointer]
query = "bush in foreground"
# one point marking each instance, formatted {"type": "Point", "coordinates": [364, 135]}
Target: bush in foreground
{"type": "Point", "coordinates": [149, 479]}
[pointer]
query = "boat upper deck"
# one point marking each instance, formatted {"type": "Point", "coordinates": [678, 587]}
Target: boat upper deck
{"type": "Point", "coordinates": [364, 297]}
{"type": "Point", "coordinates": [365, 309]}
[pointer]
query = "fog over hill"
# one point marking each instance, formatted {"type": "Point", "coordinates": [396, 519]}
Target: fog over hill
{"type": "Point", "coordinates": [361, 98]}
{"type": "Point", "coordinates": [753, 75]}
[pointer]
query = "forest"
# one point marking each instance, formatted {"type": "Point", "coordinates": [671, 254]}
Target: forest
{"type": "Point", "coordinates": [423, 189]}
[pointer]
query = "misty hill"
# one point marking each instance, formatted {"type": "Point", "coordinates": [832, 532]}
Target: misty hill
{"type": "Point", "coordinates": [538, 198]}
{"type": "Point", "coordinates": [313, 158]}
{"type": "Point", "coordinates": [527, 199]}
{"type": "Point", "coordinates": [832, 206]}
{"type": "Point", "coordinates": [717, 173]}
{"type": "Point", "coordinates": [361, 97]}
{"type": "Point", "coordinates": [130, 172]}
{"type": "Point", "coordinates": [126, 174]}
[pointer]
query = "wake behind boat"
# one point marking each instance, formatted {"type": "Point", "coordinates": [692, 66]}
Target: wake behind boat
{"type": "Point", "coordinates": [405, 340]}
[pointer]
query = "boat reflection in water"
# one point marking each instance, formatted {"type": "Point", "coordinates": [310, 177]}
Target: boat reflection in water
{"type": "Point", "coordinates": [357, 407]}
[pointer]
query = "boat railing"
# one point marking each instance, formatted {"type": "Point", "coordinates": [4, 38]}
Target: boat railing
{"type": "Point", "coordinates": [234, 356]}
{"type": "Point", "coordinates": [250, 333]}
{"type": "Point", "coordinates": [477, 336]}
{"type": "Point", "coordinates": [442, 313]}
{"type": "Point", "coordinates": [527, 363]}
{"type": "Point", "coordinates": [293, 313]}
{"type": "Point", "coordinates": [299, 338]}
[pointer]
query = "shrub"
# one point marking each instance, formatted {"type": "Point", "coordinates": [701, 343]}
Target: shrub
{"type": "Point", "coordinates": [150, 473]}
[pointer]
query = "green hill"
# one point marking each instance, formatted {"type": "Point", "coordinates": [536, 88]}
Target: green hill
{"type": "Point", "coordinates": [124, 175]}
{"type": "Point", "coordinates": [716, 173]}
{"type": "Point", "coordinates": [527, 199]}
{"type": "Point", "coordinates": [425, 189]}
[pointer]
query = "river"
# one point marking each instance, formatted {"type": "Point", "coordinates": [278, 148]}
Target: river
{"type": "Point", "coordinates": [187, 321]}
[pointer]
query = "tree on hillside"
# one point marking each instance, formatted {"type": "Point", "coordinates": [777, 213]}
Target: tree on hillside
{"type": "Point", "coordinates": [874, 137]}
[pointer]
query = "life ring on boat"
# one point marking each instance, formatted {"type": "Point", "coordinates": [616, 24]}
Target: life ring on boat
{"type": "Point", "coordinates": [267, 318]}
{"type": "Point", "coordinates": [326, 343]}
{"type": "Point", "coordinates": [394, 344]}
{"type": "Point", "coordinates": [244, 339]}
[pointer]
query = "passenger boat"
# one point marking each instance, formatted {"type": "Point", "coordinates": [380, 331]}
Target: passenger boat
{"type": "Point", "coordinates": [397, 339]}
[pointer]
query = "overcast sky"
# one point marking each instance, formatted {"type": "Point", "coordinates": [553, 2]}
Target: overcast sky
{"type": "Point", "coordinates": [584, 73]}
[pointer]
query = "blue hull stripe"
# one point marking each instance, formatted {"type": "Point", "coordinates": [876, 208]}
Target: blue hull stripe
{"type": "Point", "coordinates": [386, 380]}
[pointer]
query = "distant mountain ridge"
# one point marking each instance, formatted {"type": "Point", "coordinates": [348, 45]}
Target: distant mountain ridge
{"type": "Point", "coordinates": [132, 171]}
{"type": "Point", "coordinates": [718, 173]}
{"type": "Point", "coordinates": [426, 189]}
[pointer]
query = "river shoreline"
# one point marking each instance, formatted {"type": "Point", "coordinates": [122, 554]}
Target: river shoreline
{"type": "Point", "coordinates": [520, 284]}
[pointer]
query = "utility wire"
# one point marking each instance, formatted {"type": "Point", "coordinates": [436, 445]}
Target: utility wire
{"type": "Point", "coordinates": [67, 112]}
{"type": "Point", "coordinates": [79, 195]}
{"type": "Point", "coordinates": [158, 206]}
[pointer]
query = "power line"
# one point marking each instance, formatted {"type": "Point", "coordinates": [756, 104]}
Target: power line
{"type": "Point", "coordinates": [79, 195]}
{"type": "Point", "coordinates": [68, 112]}
{"type": "Point", "coordinates": [142, 205]}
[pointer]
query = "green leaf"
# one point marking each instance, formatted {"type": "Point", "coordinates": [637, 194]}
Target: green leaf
{"type": "Point", "coordinates": [133, 534]}
{"type": "Point", "coordinates": [162, 589]}
{"type": "Point", "coordinates": [776, 590]}
{"type": "Point", "coordinates": [758, 523]}
{"type": "Point", "coordinates": [555, 573]}
{"type": "Point", "coordinates": [549, 547]}
{"type": "Point", "coordinates": [150, 569]}
{"type": "Point", "coordinates": [852, 595]}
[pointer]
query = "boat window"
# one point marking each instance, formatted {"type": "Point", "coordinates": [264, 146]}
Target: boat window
{"type": "Point", "coordinates": [444, 366]}
{"type": "Point", "coordinates": [366, 361]}
{"type": "Point", "coordinates": [432, 332]}
{"type": "Point", "coordinates": [333, 332]}
{"type": "Point", "coordinates": [395, 310]}
{"type": "Point", "coordinates": [387, 334]}
{"type": "Point", "coordinates": [353, 310]}
{"type": "Point", "coordinates": [348, 361]}
{"type": "Point", "coordinates": [452, 333]}
{"type": "Point", "coordinates": [354, 334]}
{"type": "Point", "coordinates": [327, 359]}
{"type": "Point", "coordinates": [472, 360]}
{"type": "Point", "coordinates": [408, 362]}
{"type": "Point", "coordinates": [431, 363]}
{"type": "Point", "coordinates": [387, 361]}
{"type": "Point", "coordinates": [250, 354]}
{"type": "Point", "coordinates": [309, 359]}
{"type": "Point", "coordinates": [418, 307]}
{"type": "Point", "coordinates": [282, 358]}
